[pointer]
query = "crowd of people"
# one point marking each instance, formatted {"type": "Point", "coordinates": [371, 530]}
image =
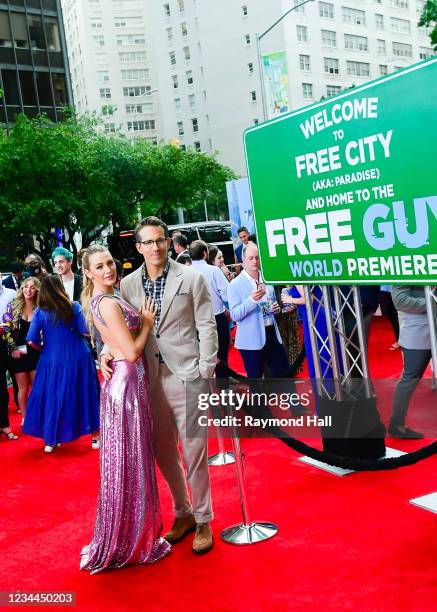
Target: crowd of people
{"type": "Point", "coordinates": [165, 324]}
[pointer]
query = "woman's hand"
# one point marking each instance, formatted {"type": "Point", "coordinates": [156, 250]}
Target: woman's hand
{"type": "Point", "coordinates": [148, 312]}
{"type": "Point", "coordinates": [16, 354]}
{"type": "Point", "coordinates": [287, 299]}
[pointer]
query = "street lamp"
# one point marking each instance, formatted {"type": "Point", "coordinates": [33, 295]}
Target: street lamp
{"type": "Point", "coordinates": [258, 38]}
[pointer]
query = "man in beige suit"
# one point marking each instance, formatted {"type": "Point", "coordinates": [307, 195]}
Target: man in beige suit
{"type": "Point", "coordinates": [183, 348]}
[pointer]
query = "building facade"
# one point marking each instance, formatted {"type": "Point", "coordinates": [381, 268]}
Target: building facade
{"type": "Point", "coordinates": [34, 73]}
{"type": "Point", "coordinates": [187, 71]}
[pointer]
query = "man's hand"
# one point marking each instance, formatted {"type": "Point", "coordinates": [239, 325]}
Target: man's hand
{"type": "Point", "coordinates": [106, 370]}
{"type": "Point", "coordinates": [258, 294]}
{"type": "Point", "coordinates": [276, 309]}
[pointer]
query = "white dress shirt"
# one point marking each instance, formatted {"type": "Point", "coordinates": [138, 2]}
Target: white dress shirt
{"type": "Point", "coordinates": [217, 283]}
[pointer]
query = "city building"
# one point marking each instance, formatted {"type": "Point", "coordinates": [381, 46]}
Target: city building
{"type": "Point", "coordinates": [34, 74]}
{"type": "Point", "coordinates": [187, 71]}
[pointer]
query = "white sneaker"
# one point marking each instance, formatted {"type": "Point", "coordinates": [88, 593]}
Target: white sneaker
{"type": "Point", "coordinates": [95, 444]}
{"type": "Point", "coordinates": [48, 448]}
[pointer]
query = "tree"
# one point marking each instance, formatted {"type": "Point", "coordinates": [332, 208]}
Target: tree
{"type": "Point", "coordinates": [73, 177]}
{"type": "Point", "coordinates": [428, 18]}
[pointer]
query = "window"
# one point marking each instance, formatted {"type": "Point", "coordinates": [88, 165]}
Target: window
{"type": "Point", "coordinates": [184, 30]}
{"type": "Point", "coordinates": [177, 104]}
{"type": "Point", "coordinates": [304, 62]}
{"type": "Point", "coordinates": [403, 4]}
{"type": "Point", "coordinates": [326, 10]}
{"type": "Point", "coordinates": [356, 43]}
{"type": "Point", "coordinates": [302, 33]}
{"type": "Point", "coordinates": [181, 6]}
{"type": "Point", "coordinates": [133, 75]}
{"type": "Point", "coordinates": [172, 56]}
{"type": "Point", "coordinates": [401, 26]}
{"type": "Point", "coordinates": [383, 70]}
{"type": "Point", "coordinates": [180, 125]}
{"type": "Point", "coordinates": [192, 101]}
{"type": "Point", "coordinates": [329, 38]}
{"type": "Point", "coordinates": [104, 93]}
{"type": "Point", "coordinates": [197, 146]}
{"type": "Point", "coordinates": [381, 47]}
{"type": "Point", "coordinates": [108, 109]}
{"type": "Point", "coordinates": [360, 69]}
{"type": "Point", "coordinates": [244, 10]}
{"type": "Point", "coordinates": [127, 57]}
{"type": "Point", "coordinates": [96, 24]}
{"type": "Point", "coordinates": [109, 128]}
{"type": "Point", "coordinates": [247, 39]}
{"type": "Point", "coordinates": [253, 96]}
{"type": "Point", "coordinates": [190, 79]}
{"type": "Point", "coordinates": [135, 92]}
{"type": "Point", "coordinates": [402, 49]}
{"type": "Point", "coordinates": [307, 90]}
{"type": "Point", "coordinates": [256, 121]}
{"type": "Point", "coordinates": [354, 16]}
{"type": "Point", "coordinates": [195, 125]}
{"type": "Point", "coordinates": [379, 22]}
{"type": "Point", "coordinates": [175, 82]}
{"type": "Point", "coordinates": [425, 53]}
{"type": "Point", "coordinates": [420, 5]}
{"type": "Point", "coordinates": [187, 54]}
{"type": "Point", "coordinates": [250, 67]}
{"type": "Point", "coordinates": [130, 39]}
{"type": "Point", "coordinates": [169, 34]}
{"type": "Point", "coordinates": [332, 90]}
{"type": "Point", "coordinates": [102, 76]}
{"type": "Point", "coordinates": [331, 65]}
{"type": "Point", "coordinates": [167, 10]}
{"type": "Point", "coordinates": [133, 109]}
{"type": "Point", "coordinates": [141, 126]}
{"type": "Point", "coordinates": [301, 9]}
{"type": "Point", "coordinates": [99, 41]}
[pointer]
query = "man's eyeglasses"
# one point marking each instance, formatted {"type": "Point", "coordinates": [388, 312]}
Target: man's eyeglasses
{"type": "Point", "coordinates": [160, 242]}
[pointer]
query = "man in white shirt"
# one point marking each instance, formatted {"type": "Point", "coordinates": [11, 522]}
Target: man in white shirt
{"type": "Point", "coordinates": [253, 307]}
{"type": "Point", "coordinates": [62, 260]}
{"type": "Point", "coordinates": [6, 296]}
{"type": "Point", "coordinates": [218, 288]}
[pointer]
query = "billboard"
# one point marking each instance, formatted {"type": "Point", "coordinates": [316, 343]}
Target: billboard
{"type": "Point", "coordinates": [276, 83]}
{"type": "Point", "coordinates": [345, 191]}
{"type": "Point", "coordinates": [240, 206]}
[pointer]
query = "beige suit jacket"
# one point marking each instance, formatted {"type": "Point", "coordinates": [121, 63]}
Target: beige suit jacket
{"type": "Point", "coordinates": [186, 335]}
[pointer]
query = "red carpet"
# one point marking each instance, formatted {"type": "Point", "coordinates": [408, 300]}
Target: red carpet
{"type": "Point", "coordinates": [352, 543]}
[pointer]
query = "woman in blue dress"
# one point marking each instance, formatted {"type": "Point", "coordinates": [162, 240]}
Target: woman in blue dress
{"type": "Point", "coordinates": [64, 401]}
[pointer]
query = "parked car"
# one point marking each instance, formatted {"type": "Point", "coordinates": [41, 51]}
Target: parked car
{"type": "Point", "coordinates": [122, 246]}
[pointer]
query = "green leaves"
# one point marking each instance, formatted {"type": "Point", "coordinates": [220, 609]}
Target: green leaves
{"type": "Point", "coordinates": [71, 175]}
{"type": "Point", "coordinates": [429, 17]}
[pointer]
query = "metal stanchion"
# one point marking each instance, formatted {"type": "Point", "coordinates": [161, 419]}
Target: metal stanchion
{"type": "Point", "coordinates": [247, 532]}
{"type": "Point", "coordinates": [223, 457]}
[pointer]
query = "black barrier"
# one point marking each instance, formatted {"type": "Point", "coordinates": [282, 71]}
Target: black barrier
{"type": "Point", "coordinates": [373, 464]}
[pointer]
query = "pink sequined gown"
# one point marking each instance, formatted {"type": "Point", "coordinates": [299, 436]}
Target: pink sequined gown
{"type": "Point", "coordinates": [128, 523]}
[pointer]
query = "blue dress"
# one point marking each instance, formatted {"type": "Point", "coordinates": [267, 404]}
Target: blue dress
{"type": "Point", "coordinates": [64, 401]}
{"type": "Point", "coordinates": [322, 331]}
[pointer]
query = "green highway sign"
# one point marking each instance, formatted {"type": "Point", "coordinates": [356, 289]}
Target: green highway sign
{"type": "Point", "coordinates": [345, 191]}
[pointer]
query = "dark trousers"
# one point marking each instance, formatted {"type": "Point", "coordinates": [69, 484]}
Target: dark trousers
{"type": "Point", "coordinates": [415, 363]}
{"type": "Point", "coordinates": [222, 323]}
{"type": "Point", "coordinates": [4, 395]}
{"type": "Point", "coordinates": [388, 310]}
{"type": "Point", "coordinates": [272, 355]}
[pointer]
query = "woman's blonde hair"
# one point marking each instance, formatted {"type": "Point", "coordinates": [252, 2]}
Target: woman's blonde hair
{"type": "Point", "coordinates": [17, 305]}
{"type": "Point", "coordinates": [88, 286]}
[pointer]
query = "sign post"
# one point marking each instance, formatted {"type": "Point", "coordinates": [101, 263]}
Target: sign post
{"type": "Point", "coordinates": [345, 191]}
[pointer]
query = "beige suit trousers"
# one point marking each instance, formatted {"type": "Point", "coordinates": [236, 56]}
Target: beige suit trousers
{"type": "Point", "coordinates": [168, 393]}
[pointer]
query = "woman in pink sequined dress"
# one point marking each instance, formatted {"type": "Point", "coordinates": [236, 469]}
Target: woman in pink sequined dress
{"type": "Point", "coordinates": [128, 523]}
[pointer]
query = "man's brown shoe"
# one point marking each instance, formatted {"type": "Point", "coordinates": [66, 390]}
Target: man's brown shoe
{"type": "Point", "coordinates": [181, 528]}
{"type": "Point", "coordinates": [203, 540]}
